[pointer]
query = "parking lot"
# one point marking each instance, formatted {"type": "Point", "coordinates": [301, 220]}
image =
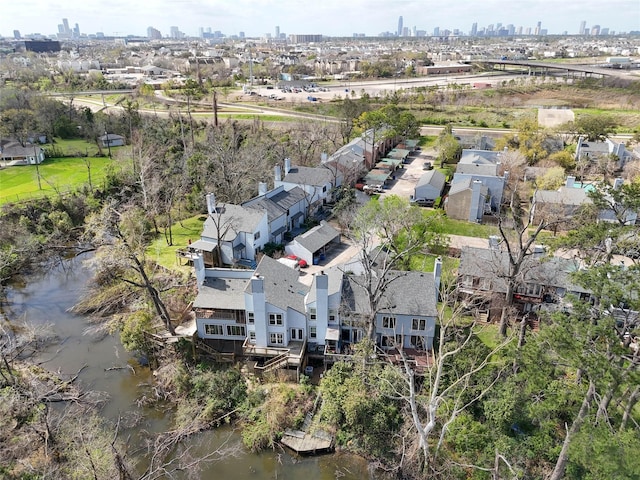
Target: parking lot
{"type": "Point", "coordinates": [407, 177]}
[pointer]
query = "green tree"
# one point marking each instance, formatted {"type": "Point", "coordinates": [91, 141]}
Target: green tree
{"type": "Point", "coordinates": [594, 127]}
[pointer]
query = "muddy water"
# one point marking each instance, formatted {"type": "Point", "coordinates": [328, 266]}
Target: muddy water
{"type": "Point", "coordinates": [46, 299]}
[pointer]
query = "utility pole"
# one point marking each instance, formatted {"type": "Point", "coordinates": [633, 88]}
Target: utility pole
{"type": "Point", "coordinates": [35, 158]}
{"type": "Point", "coordinates": [106, 138]}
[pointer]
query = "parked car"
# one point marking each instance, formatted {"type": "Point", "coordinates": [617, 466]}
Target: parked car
{"type": "Point", "coordinates": [422, 202]}
{"type": "Point", "coordinates": [302, 263]}
{"type": "Point", "coordinates": [371, 189]}
{"type": "Point", "coordinates": [427, 166]}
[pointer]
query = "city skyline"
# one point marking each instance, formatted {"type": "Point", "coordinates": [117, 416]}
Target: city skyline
{"type": "Point", "coordinates": [330, 18]}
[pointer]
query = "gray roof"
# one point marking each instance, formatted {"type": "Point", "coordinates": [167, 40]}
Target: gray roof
{"type": "Point", "coordinates": [409, 293]}
{"type": "Point", "coordinates": [13, 149]}
{"type": "Point", "coordinates": [434, 177]}
{"type": "Point", "coordinates": [479, 162]}
{"type": "Point", "coordinates": [223, 293]}
{"type": "Point", "coordinates": [281, 286]}
{"type": "Point", "coordinates": [335, 275]}
{"type": "Point", "coordinates": [317, 176]}
{"type": "Point", "coordinates": [542, 270]}
{"type": "Point", "coordinates": [489, 170]}
{"type": "Point", "coordinates": [563, 196]}
{"type": "Point", "coordinates": [276, 204]}
{"type": "Point", "coordinates": [234, 218]}
{"type": "Point", "coordinates": [316, 238]}
{"type": "Point", "coordinates": [460, 184]}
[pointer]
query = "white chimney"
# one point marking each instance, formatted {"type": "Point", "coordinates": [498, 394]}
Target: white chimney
{"type": "Point", "coordinates": [324, 157]}
{"type": "Point", "coordinates": [437, 276]}
{"type": "Point", "coordinates": [262, 189]}
{"type": "Point", "coordinates": [287, 166]}
{"type": "Point", "coordinates": [211, 203]}
{"type": "Point", "coordinates": [277, 173]}
{"type": "Point", "coordinates": [570, 182]}
{"type": "Point", "coordinates": [617, 183]}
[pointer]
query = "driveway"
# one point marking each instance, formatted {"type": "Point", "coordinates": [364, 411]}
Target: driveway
{"type": "Point", "coordinates": [407, 177]}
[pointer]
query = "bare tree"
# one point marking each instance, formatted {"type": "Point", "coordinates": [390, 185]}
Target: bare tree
{"type": "Point", "coordinates": [122, 237]}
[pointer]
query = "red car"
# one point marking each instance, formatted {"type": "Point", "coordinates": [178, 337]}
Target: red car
{"type": "Point", "coordinates": [301, 262]}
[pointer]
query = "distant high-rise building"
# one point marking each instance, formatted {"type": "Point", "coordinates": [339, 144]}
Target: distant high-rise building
{"type": "Point", "coordinates": [277, 31]}
{"type": "Point", "coordinates": [241, 34]}
{"type": "Point", "coordinates": [519, 30]}
{"type": "Point", "coordinates": [595, 30]}
{"type": "Point", "coordinates": [538, 28]}
{"type": "Point", "coordinates": [76, 31]}
{"type": "Point", "coordinates": [604, 31]}
{"type": "Point", "coordinates": [399, 25]}
{"type": "Point", "coordinates": [474, 29]}
{"type": "Point", "coordinates": [65, 22]}
{"type": "Point", "coordinates": [16, 34]}
{"type": "Point", "coordinates": [174, 32]}
{"type": "Point", "coordinates": [436, 31]}
{"type": "Point", "coordinates": [583, 27]}
{"type": "Point", "coordinates": [153, 34]}
{"type": "Point", "coordinates": [201, 32]}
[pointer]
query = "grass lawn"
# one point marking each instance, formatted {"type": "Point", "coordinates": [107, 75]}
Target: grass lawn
{"type": "Point", "coordinates": [73, 147]}
{"type": "Point", "coordinates": [460, 227]}
{"type": "Point", "coordinates": [57, 175]}
{"type": "Point", "coordinates": [165, 255]}
{"type": "Point", "coordinates": [424, 263]}
{"type": "Point", "coordinates": [489, 334]}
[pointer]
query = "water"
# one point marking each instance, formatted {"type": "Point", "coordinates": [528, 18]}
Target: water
{"type": "Point", "coordinates": [45, 300]}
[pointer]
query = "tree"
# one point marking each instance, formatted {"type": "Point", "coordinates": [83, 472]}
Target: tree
{"type": "Point", "coordinates": [448, 148]}
{"type": "Point", "coordinates": [123, 236]}
{"type": "Point", "coordinates": [388, 232]}
{"type": "Point", "coordinates": [594, 127]}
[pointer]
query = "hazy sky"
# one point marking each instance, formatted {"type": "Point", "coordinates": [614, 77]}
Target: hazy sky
{"type": "Point", "coordinates": [328, 17]}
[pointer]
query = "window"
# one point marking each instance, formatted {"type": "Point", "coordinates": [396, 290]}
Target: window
{"type": "Point", "coordinates": [418, 324]}
{"type": "Point", "coordinates": [312, 332]}
{"type": "Point", "coordinates": [252, 337]}
{"type": "Point", "coordinates": [467, 281]}
{"type": "Point", "coordinates": [211, 329]}
{"type": "Point", "coordinates": [332, 316]}
{"type": "Point", "coordinates": [256, 235]}
{"type": "Point", "coordinates": [235, 330]}
{"type": "Point", "coordinates": [312, 314]}
{"type": "Point", "coordinates": [275, 319]}
{"type": "Point", "coordinates": [388, 322]}
{"type": "Point", "coordinates": [324, 189]}
{"type": "Point", "coordinates": [250, 317]}
{"type": "Point", "coordinates": [276, 338]}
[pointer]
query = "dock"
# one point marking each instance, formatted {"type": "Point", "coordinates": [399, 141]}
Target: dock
{"type": "Point", "coordinates": [307, 443]}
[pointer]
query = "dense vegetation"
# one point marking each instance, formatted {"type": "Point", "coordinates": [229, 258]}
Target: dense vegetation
{"type": "Point", "coordinates": [561, 402]}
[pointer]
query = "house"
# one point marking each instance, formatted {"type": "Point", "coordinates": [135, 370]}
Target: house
{"type": "Point", "coordinates": [596, 151]}
{"type": "Point", "coordinates": [318, 183]}
{"type": "Point", "coordinates": [407, 315]}
{"type": "Point", "coordinates": [543, 282]}
{"type": "Point", "coordinates": [286, 209]}
{"type": "Point", "coordinates": [232, 234]}
{"type": "Point", "coordinates": [111, 140]}
{"type": "Point", "coordinates": [430, 185]}
{"type": "Point", "coordinates": [313, 244]}
{"type": "Point", "coordinates": [476, 187]}
{"type": "Point", "coordinates": [562, 204]}
{"type": "Point", "coordinates": [468, 199]}
{"type": "Point", "coordinates": [269, 316]}
{"type": "Point", "coordinates": [13, 152]}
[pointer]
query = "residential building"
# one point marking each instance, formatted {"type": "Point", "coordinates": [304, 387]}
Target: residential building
{"type": "Point", "coordinates": [430, 185]}
{"type": "Point", "coordinates": [13, 152]}
{"type": "Point", "coordinates": [543, 282]}
{"type": "Point", "coordinates": [477, 186]}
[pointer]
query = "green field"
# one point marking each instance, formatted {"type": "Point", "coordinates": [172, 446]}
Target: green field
{"type": "Point", "coordinates": [57, 175]}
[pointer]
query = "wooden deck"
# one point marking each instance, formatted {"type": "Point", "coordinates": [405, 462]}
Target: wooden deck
{"type": "Point", "coordinates": [307, 443]}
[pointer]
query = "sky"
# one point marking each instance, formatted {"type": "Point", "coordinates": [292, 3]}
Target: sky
{"type": "Point", "coordinates": [327, 17]}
